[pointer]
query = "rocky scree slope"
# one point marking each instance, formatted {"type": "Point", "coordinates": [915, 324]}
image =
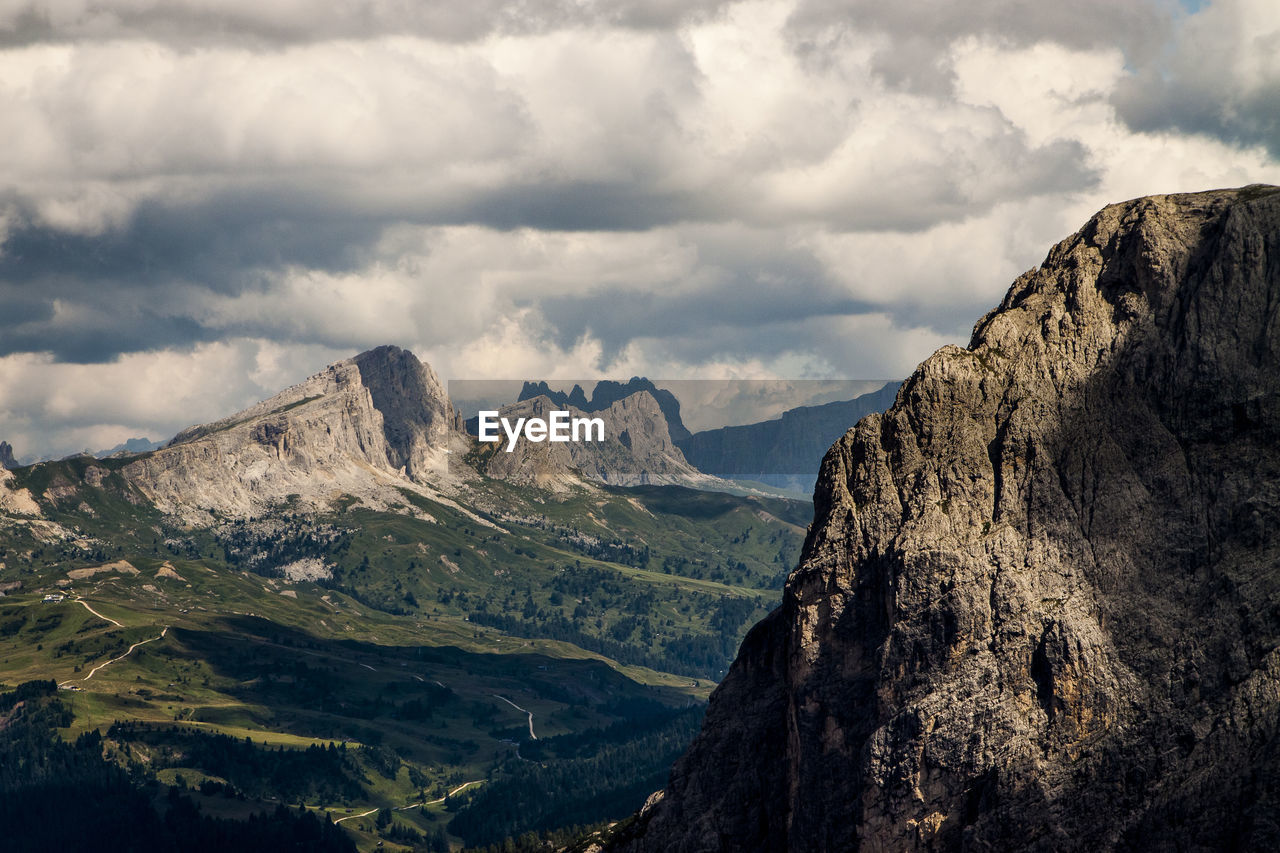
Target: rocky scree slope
{"type": "Point", "coordinates": [1039, 605]}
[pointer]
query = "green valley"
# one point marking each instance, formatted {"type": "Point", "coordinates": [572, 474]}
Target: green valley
{"type": "Point", "coordinates": [425, 672]}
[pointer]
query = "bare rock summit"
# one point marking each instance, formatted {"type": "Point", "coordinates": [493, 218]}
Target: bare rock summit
{"type": "Point", "coordinates": [364, 427]}
{"type": "Point", "coordinates": [1039, 605]}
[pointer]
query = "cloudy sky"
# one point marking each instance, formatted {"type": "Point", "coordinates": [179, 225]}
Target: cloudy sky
{"type": "Point", "coordinates": [202, 201]}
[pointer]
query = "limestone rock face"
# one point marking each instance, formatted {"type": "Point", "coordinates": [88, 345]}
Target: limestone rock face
{"type": "Point", "coordinates": [13, 500]}
{"type": "Point", "coordinates": [1038, 605]}
{"type": "Point", "coordinates": [637, 449]}
{"type": "Point", "coordinates": [415, 409]}
{"type": "Point", "coordinates": [364, 427]}
{"type": "Point", "coordinates": [6, 456]}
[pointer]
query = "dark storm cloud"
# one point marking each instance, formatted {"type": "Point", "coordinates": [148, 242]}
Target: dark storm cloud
{"type": "Point", "coordinates": [758, 306]}
{"type": "Point", "coordinates": [221, 21]}
{"type": "Point", "coordinates": [144, 284]}
{"type": "Point", "coordinates": [214, 243]}
{"type": "Point", "coordinates": [90, 297]}
{"type": "Point", "coordinates": [88, 321]}
{"type": "Point", "coordinates": [122, 290]}
{"type": "Point", "coordinates": [920, 33]}
{"type": "Point", "coordinates": [1074, 23]}
{"type": "Point", "coordinates": [733, 320]}
{"type": "Point", "coordinates": [748, 285]}
{"type": "Point", "coordinates": [1221, 79]}
{"type": "Point", "coordinates": [581, 206]}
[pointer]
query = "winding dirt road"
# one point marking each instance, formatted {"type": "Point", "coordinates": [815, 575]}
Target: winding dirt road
{"type": "Point", "coordinates": [96, 613]}
{"type": "Point", "coordinates": [94, 671]}
{"type": "Point", "coordinates": [354, 816]}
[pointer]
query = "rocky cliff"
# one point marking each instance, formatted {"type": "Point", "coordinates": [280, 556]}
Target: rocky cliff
{"type": "Point", "coordinates": [1039, 605]}
{"type": "Point", "coordinates": [6, 456]}
{"type": "Point", "coordinates": [364, 427]}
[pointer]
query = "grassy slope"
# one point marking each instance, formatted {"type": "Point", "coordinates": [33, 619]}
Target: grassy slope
{"type": "Point", "coordinates": [298, 663]}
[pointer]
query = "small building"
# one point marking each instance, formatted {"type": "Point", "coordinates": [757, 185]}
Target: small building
{"type": "Point", "coordinates": [54, 597]}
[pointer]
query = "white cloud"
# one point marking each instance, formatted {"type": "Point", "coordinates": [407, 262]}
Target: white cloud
{"type": "Point", "coordinates": [720, 121]}
{"type": "Point", "coordinates": [54, 408]}
{"type": "Point", "coordinates": [212, 199]}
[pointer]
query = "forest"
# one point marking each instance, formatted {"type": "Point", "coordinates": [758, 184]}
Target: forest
{"type": "Point", "coordinates": [56, 795]}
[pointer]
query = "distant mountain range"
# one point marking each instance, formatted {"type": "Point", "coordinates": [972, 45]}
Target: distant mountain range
{"type": "Point", "coordinates": [786, 451]}
{"type": "Point", "coordinates": [783, 452]}
{"type": "Point", "coordinates": [606, 393]}
{"type": "Point", "coordinates": [383, 416]}
{"type": "Point", "coordinates": [637, 448]}
{"type": "Point", "coordinates": [133, 445]}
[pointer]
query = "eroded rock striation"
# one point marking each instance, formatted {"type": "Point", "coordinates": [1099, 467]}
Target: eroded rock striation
{"type": "Point", "coordinates": [1039, 605]}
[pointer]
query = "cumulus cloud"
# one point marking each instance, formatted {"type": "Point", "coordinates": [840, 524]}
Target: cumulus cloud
{"type": "Point", "coordinates": [620, 129]}
{"type": "Point", "coordinates": [914, 49]}
{"type": "Point", "coordinates": [265, 24]}
{"type": "Point", "coordinates": [793, 188]}
{"type": "Point", "coordinates": [48, 407]}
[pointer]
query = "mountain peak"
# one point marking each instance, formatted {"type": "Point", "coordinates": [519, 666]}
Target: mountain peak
{"type": "Point", "coordinates": [1036, 602]}
{"type": "Point", "coordinates": [416, 415]}
{"type": "Point", "coordinates": [365, 426]}
{"type": "Point", "coordinates": [636, 448]}
{"type": "Point", "coordinates": [607, 392]}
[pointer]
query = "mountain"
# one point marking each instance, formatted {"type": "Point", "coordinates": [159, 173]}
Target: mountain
{"type": "Point", "coordinates": [6, 456]}
{"type": "Point", "coordinates": [1036, 609]}
{"type": "Point", "coordinates": [366, 427]}
{"type": "Point", "coordinates": [606, 393]}
{"type": "Point", "coordinates": [132, 446]}
{"type": "Point", "coordinates": [375, 425]}
{"type": "Point", "coordinates": [322, 600]}
{"type": "Point", "coordinates": [637, 449]}
{"type": "Point", "coordinates": [785, 451]}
